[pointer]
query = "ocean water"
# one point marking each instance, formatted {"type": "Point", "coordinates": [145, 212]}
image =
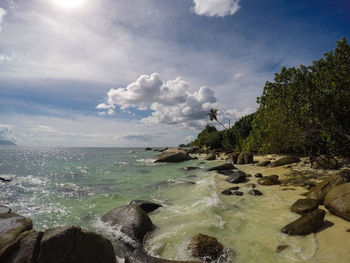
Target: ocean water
{"type": "Point", "coordinates": [76, 186]}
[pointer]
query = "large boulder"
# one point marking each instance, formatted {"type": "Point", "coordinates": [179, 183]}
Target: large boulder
{"type": "Point", "coordinates": [324, 162]}
{"type": "Point", "coordinates": [222, 167]}
{"type": "Point", "coordinates": [306, 224]}
{"type": "Point", "coordinates": [236, 177]}
{"type": "Point", "coordinates": [146, 206]}
{"type": "Point", "coordinates": [29, 248]}
{"type": "Point", "coordinates": [235, 157]}
{"type": "Point", "coordinates": [134, 222]}
{"type": "Point", "coordinates": [13, 228]}
{"type": "Point", "coordinates": [245, 157]}
{"type": "Point", "coordinates": [285, 160]}
{"type": "Point", "coordinates": [303, 206]}
{"type": "Point", "coordinates": [269, 180]}
{"type": "Point", "coordinates": [337, 201]}
{"type": "Point", "coordinates": [173, 156]}
{"type": "Point", "coordinates": [204, 246]}
{"type": "Point", "coordinates": [319, 191]}
{"type": "Point", "coordinates": [74, 245]}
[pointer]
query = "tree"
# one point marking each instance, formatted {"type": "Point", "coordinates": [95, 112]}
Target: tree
{"type": "Point", "coordinates": [212, 116]}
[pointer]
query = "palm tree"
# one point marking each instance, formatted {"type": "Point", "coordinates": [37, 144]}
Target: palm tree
{"type": "Point", "coordinates": [212, 116]}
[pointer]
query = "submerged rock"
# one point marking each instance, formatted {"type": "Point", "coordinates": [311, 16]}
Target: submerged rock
{"type": "Point", "coordinates": [238, 193]}
{"type": "Point", "coordinates": [281, 248]}
{"type": "Point", "coordinates": [303, 206]}
{"type": "Point", "coordinates": [269, 180]}
{"type": "Point", "coordinates": [306, 224]}
{"type": "Point", "coordinates": [204, 246]}
{"type": "Point", "coordinates": [146, 206]}
{"type": "Point", "coordinates": [134, 222]}
{"type": "Point", "coordinates": [190, 168]}
{"type": "Point", "coordinates": [337, 201]}
{"type": "Point", "coordinates": [236, 177]}
{"type": "Point", "coordinates": [173, 156]}
{"type": "Point", "coordinates": [245, 157]}
{"type": "Point", "coordinates": [285, 160]}
{"type": "Point", "coordinates": [255, 192]}
{"type": "Point", "coordinates": [321, 189]}
{"type": "Point", "coordinates": [250, 185]}
{"type": "Point", "coordinates": [73, 244]}
{"type": "Point", "coordinates": [226, 192]}
{"type": "Point", "coordinates": [324, 162]}
{"type": "Point", "coordinates": [222, 167]}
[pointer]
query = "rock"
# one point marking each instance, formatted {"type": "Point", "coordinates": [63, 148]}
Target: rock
{"type": "Point", "coordinates": [250, 185]}
{"type": "Point", "coordinates": [238, 193]}
{"type": "Point", "coordinates": [285, 160]}
{"type": "Point", "coordinates": [73, 244]}
{"type": "Point", "coordinates": [245, 157]}
{"type": "Point", "coordinates": [204, 246]}
{"type": "Point", "coordinates": [289, 189]}
{"type": "Point", "coordinates": [337, 201]}
{"type": "Point", "coordinates": [211, 157]}
{"type": "Point", "coordinates": [236, 177]}
{"type": "Point", "coordinates": [263, 163]}
{"type": "Point", "coordinates": [173, 156]}
{"type": "Point", "coordinates": [269, 180]}
{"type": "Point", "coordinates": [258, 175]}
{"type": "Point", "coordinates": [29, 248]}
{"type": "Point", "coordinates": [303, 194]}
{"type": "Point", "coordinates": [235, 157]}
{"type": "Point", "coordinates": [190, 168]}
{"type": "Point", "coordinates": [303, 206]}
{"type": "Point", "coordinates": [146, 206]}
{"type": "Point", "coordinates": [324, 162]}
{"type": "Point", "coordinates": [255, 192]}
{"type": "Point", "coordinates": [5, 180]}
{"type": "Point", "coordinates": [222, 167]}
{"type": "Point", "coordinates": [11, 227]}
{"type": "Point", "coordinates": [134, 222]}
{"type": "Point", "coordinates": [194, 150]}
{"type": "Point", "coordinates": [4, 209]}
{"type": "Point", "coordinates": [281, 248]}
{"type": "Point", "coordinates": [321, 189]}
{"type": "Point", "coordinates": [148, 149]}
{"type": "Point", "coordinates": [226, 172]}
{"type": "Point", "coordinates": [226, 192]}
{"type": "Point", "coordinates": [306, 224]}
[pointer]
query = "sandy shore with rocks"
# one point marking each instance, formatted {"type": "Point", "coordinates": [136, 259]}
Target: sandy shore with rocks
{"type": "Point", "coordinates": [333, 240]}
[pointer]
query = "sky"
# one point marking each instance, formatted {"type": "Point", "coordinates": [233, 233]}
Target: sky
{"type": "Point", "coordinates": [132, 73]}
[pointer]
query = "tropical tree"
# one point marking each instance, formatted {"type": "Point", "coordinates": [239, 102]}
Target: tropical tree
{"type": "Point", "coordinates": [212, 116]}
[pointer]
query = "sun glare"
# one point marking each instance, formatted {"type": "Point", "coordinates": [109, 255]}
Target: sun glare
{"type": "Point", "coordinates": [69, 4]}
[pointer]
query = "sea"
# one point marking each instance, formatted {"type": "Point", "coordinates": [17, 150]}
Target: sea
{"type": "Point", "coordinates": [77, 186]}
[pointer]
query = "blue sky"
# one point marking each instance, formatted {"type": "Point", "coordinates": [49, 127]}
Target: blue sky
{"type": "Point", "coordinates": [139, 73]}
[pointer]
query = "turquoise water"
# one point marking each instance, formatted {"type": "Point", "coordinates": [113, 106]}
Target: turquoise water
{"type": "Point", "coordinates": [76, 186]}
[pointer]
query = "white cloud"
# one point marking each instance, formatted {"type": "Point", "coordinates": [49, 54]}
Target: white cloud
{"type": "Point", "coordinates": [216, 7]}
{"type": "Point", "coordinates": [2, 14]}
{"type": "Point", "coordinates": [171, 102]}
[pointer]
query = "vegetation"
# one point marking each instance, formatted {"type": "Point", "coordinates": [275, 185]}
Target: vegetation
{"type": "Point", "coordinates": [305, 109]}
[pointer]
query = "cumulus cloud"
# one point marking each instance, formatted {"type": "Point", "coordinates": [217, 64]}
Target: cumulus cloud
{"type": "Point", "coordinates": [142, 137]}
{"type": "Point", "coordinates": [2, 15]}
{"type": "Point", "coordinates": [171, 102]}
{"type": "Point", "coordinates": [216, 7]}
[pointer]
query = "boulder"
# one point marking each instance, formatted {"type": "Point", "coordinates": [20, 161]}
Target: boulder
{"type": "Point", "coordinates": [269, 180]}
{"type": "Point", "coordinates": [306, 224]}
{"type": "Point", "coordinates": [226, 192]}
{"type": "Point", "coordinates": [236, 177]}
{"type": "Point", "coordinates": [204, 246]}
{"type": "Point", "coordinates": [134, 222]}
{"type": "Point", "coordinates": [173, 156]}
{"type": "Point", "coordinates": [263, 163]}
{"type": "Point", "coordinates": [225, 172]}
{"type": "Point", "coordinates": [11, 228]}
{"type": "Point", "coordinates": [148, 149]}
{"type": "Point", "coordinates": [245, 157]}
{"type": "Point", "coordinates": [211, 157]}
{"type": "Point", "coordinates": [324, 162]}
{"type": "Point", "coordinates": [319, 191]}
{"type": "Point", "coordinates": [29, 248]}
{"type": "Point", "coordinates": [337, 201]}
{"type": "Point", "coordinates": [255, 192]}
{"type": "Point", "coordinates": [235, 157]}
{"type": "Point", "coordinates": [4, 209]}
{"type": "Point", "coordinates": [258, 175]}
{"type": "Point", "coordinates": [222, 167]}
{"type": "Point", "coordinates": [238, 193]}
{"type": "Point", "coordinates": [146, 206]}
{"type": "Point", "coordinates": [303, 206]}
{"type": "Point", "coordinates": [74, 245]}
{"type": "Point", "coordinates": [285, 160]}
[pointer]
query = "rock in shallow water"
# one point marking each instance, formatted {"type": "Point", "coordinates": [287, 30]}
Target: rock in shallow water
{"type": "Point", "coordinates": [203, 246]}
{"type": "Point", "coordinates": [223, 167]}
{"type": "Point", "coordinates": [226, 192]}
{"type": "Point", "coordinates": [269, 180]}
{"type": "Point", "coordinates": [306, 224]}
{"type": "Point", "coordinates": [303, 206]}
{"type": "Point", "coordinates": [146, 206]}
{"type": "Point", "coordinates": [337, 201]}
{"type": "Point", "coordinates": [255, 192]}
{"type": "Point", "coordinates": [236, 177]}
{"type": "Point", "coordinates": [173, 156]}
{"type": "Point", "coordinates": [238, 193]}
